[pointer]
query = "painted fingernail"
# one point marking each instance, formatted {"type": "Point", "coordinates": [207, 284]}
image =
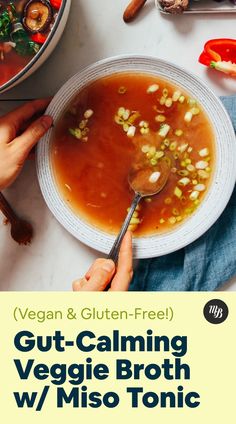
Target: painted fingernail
{"type": "Point", "coordinates": [108, 266]}
{"type": "Point", "coordinates": [46, 122]}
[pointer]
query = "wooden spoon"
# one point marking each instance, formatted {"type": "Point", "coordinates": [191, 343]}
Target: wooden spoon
{"type": "Point", "coordinates": [21, 231]}
{"type": "Point", "coordinates": [133, 9]}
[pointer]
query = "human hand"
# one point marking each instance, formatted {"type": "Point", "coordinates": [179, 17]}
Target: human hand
{"type": "Point", "coordinates": [104, 272]}
{"type": "Point", "coordinates": [16, 145]}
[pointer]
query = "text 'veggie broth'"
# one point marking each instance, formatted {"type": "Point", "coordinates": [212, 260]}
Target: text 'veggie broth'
{"type": "Point", "coordinates": [110, 124]}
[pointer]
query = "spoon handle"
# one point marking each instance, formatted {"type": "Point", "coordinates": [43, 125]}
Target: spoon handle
{"type": "Point", "coordinates": [7, 209]}
{"type": "Point", "coordinates": [114, 253]}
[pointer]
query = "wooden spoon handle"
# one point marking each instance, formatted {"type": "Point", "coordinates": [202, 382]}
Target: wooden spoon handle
{"type": "Point", "coordinates": [7, 209]}
{"type": "Point", "coordinates": [133, 9]}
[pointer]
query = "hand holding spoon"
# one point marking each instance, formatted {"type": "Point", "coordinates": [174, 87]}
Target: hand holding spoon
{"type": "Point", "coordinates": [145, 182]}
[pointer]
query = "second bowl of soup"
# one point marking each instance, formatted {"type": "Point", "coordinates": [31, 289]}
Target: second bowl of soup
{"type": "Point", "coordinates": [29, 32]}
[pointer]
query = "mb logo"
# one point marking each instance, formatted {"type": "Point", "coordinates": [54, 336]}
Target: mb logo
{"type": "Point", "coordinates": [216, 311]}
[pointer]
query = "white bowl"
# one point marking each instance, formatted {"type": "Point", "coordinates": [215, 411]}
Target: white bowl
{"type": "Point", "coordinates": [223, 179]}
{"type": "Point", "coordinates": [44, 51]}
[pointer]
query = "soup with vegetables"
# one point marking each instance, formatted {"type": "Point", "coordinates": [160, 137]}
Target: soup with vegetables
{"type": "Point", "coordinates": [24, 28]}
{"type": "Point", "coordinates": [133, 121]}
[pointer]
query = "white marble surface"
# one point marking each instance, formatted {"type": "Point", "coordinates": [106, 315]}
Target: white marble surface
{"type": "Point", "coordinates": [95, 30]}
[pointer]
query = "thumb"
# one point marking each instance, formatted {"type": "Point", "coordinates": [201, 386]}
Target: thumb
{"type": "Point", "coordinates": [100, 277]}
{"type": "Point", "coordinates": [26, 141]}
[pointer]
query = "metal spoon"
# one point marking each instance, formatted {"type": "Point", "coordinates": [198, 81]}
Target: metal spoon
{"type": "Point", "coordinates": [139, 181]}
{"type": "Point", "coordinates": [21, 231]}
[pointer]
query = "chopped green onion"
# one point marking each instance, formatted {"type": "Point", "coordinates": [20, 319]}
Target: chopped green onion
{"type": "Point", "coordinates": [200, 187]}
{"type": "Point", "coordinates": [126, 127]}
{"type": "Point", "coordinates": [144, 131]}
{"type": "Point", "coordinates": [165, 92]}
{"type": "Point", "coordinates": [181, 99]}
{"type": "Point", "coordinates": [183, 173]}
{"type": "Point", "coordinates": [152, 150]}
{"type": "Point", "coordinates": [119, 120]}
{"type": "Point", "coordinates": [153, 162]}
{"type": "Point", "coordinates": [159, 154]}
{"type": "Point", "coordinates": [173, 146]}
{"type": "Point", "coordinates": [176, 96]}
{"type": "Point", "coordinates": [201, 164]}
{"type": "Point", "coordinates": [126, 114]}
{"type": "Point", "coordinates": [152, 88]}
{"type": "Point", "coordinates": [191, 168]}
{"type": "Point", "coordinates": [122, 90]}
{"type": "Point", "coordinates": [162, 100]}
{"type": "Point", "coordinates": [88, 113]}
{"type": "Point", "coordinates": [179, 133]}
{"type": "Point", "coordinates": [160, 118]}
{"type": "Point", "coordinates": [154, 177]}
{"type": "Point", "coordinates": [145, 148]}
{"type": "Point", "coordinates": [192, 102]}
{"type": "Point", "coordinates": [175, 212]}
{"type": "Point", "coordinates": [135, 221]}
{"type": "Point", "coordinates": [194, 195]}
{"type": "Point", "coordinates": [121, 111]}
{"type": "Point", "coordinates": [188, 116]}
{"type": "Point", "coordinates": [184, 181]}
{"type": "Point", "coordinates": [177, 192]}
{"type": "Point", "coordinates": [195, 111]}
{"type": "Point", "coordinates": [183, 147]}
{"type": "Point", "coordinates": [165, 128]}
{"type": "Point", "coordinates": [131, 131]}
{"type": "Point", "coordinates": [76, 132]}
{"type": "Point", "coordinates": [168, 102]}
{"type": "Point", "coordinates": [204, 152]}
{"type": "Point", "coordinates": [203, 174]}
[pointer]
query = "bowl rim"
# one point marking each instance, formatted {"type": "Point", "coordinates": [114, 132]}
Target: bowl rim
{"type": "Point", "coordinates": [34, 59]}
{"type": "Point", "coordinates": [55, 208]}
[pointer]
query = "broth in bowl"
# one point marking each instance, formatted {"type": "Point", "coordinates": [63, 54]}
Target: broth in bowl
{"type": "Point", "coordinates": [24, 27]}
{"type": "Point", "coordinates": [127, 120]}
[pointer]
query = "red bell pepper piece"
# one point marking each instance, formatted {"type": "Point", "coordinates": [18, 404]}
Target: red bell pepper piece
{"type": "Point", "coordinates": [56, 4]}
{"type": "Point", "coordinates": [38, 38]}
{"type": "Point", "coordinates": [220, 54]}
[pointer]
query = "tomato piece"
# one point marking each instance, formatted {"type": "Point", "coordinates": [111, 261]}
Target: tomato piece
{"type": "Point", "coordinates": [56, 4]}
{"type": "Point", "coordinates": [38, 38]}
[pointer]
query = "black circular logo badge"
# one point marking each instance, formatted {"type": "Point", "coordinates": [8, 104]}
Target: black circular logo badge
{"type": "Point", "coordinates": [216, 311]}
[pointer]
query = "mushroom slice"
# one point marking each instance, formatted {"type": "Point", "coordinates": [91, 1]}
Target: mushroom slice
{"type": "Point", "coordinates": [37, 16]}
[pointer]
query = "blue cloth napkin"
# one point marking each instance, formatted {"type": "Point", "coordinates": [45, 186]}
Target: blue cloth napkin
{"type": "Point", "coordinates": [203, 265]}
